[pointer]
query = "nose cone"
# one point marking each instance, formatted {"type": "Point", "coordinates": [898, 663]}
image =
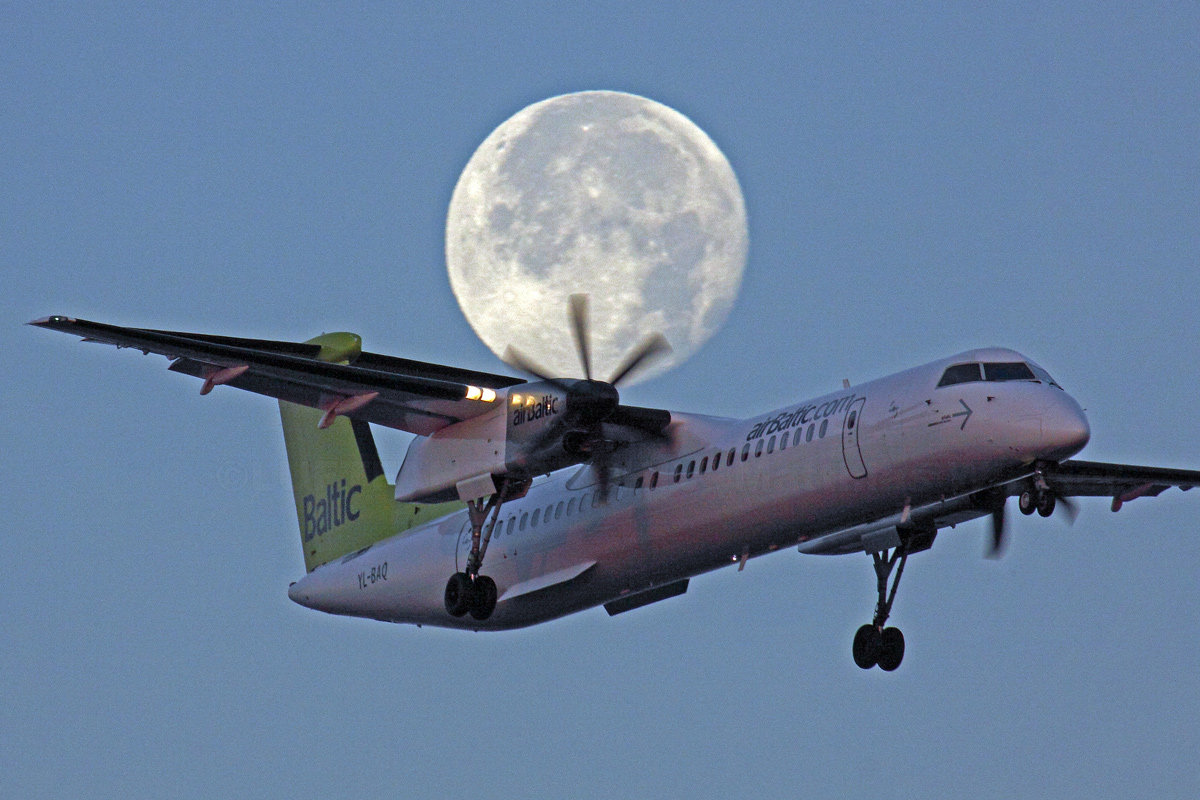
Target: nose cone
{"type": "Point", "coordinates": [1065, 429]}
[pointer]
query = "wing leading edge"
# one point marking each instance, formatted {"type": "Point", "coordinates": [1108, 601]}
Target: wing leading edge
{"type": "Point", "coordinates": [330, 372]}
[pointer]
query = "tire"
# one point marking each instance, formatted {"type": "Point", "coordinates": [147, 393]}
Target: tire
{"type": "Point", "coordinates": [1045, 506]}
{"type": "Point", "coordinates": [1026, 502]}
{"type": "Point", "coordinates": [483, 598]}
{"type": "Point", "coordinates": [891, 649]}
{"type": "Point", "coordinates": [458, 594]}
{"type": "Point", "coordinates": [866, 646]}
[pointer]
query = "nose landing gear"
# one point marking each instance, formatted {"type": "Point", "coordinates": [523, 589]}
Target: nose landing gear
{"type": "Point", "coordinates": [1033, 499]}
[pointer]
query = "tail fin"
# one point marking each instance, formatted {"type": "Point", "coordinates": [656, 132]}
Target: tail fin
{"type": "Point", "coordinates": [343, 500]}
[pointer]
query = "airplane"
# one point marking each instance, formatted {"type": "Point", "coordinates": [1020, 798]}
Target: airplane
{"type": "Point", "coordinates": [522, 501]}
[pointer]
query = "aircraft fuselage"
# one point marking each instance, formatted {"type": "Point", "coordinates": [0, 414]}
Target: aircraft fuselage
{"type": "Point", "coordinates": [824, 475]}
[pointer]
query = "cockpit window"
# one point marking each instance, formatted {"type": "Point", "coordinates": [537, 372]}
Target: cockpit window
{"type": "Point", "coordinates": [1044, 376]}
{"type": "Point", "coordinates": [995, 371]}
{"type": "Point", "coordinates": [960, 373]}
{"type": "Point", "coordinates": [1009, 371]}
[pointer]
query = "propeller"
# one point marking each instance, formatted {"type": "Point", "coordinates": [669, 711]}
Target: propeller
{"type": "Point", "coordinates": [591, 402]}
{"type": "Point", "coordinates": [998, 531]}
{"type": "Point", "coordinates": [995, 501]}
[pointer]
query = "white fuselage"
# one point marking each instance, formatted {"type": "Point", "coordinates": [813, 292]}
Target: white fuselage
{"type": "Point", "coordinates": [856, 461]}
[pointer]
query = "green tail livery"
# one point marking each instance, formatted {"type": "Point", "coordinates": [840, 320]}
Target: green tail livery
{"type": "Point", "coordinates": [343, 500]}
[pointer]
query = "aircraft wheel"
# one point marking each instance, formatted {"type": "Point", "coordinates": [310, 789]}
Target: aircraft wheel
{"type": "Point", "coordinates": [867, 646]}
{"type": "Point", "coordinates": [1045, 505]}
{"type": "Point", "coordinates": [458, 594]}
{"type": "Point", "coordinates": [483, 598]}
{"type": "Point", "coordinates": [1027, 502]}
{"type": "Point", "coordinates": [891, 649]}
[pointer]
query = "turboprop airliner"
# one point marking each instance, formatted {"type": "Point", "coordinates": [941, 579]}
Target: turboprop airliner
{"type": "Point", "coordinates": [521, 501]}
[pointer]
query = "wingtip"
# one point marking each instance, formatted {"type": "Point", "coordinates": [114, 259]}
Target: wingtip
{"type": "Point", "coordinates": [43, 321]}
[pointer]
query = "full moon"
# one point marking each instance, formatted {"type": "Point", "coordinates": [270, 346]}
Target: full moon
{"type": "Point", "coordinates": [604, 193]}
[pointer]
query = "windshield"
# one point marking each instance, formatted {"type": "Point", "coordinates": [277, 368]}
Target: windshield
{"type": "Point", "coordinates": [995, 371]}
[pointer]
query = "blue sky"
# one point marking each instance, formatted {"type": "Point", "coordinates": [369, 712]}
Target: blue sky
{"type": "Point", "coordinates": [918, 181]}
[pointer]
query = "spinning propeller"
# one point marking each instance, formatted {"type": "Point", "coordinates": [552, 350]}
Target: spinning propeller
{"type": "Point", "coordinates": [591, 403]}
{"type": "Point", "coordinates": [1045, 502]}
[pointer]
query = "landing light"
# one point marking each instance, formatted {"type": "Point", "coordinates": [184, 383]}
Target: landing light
{"type": "Point", "coordinates": [475, 393]}
{"type": "Point", "coordinates": [516, 399]}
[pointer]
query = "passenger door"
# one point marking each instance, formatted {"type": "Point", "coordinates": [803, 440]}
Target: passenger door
{"type": "Point", "coordinates": [850, 449]}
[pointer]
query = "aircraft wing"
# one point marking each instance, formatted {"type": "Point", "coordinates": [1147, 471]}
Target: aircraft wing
{"type": "Point", "coordinates": [1121, 482]}
{"type": "Point", "coordinates": [395, 392]}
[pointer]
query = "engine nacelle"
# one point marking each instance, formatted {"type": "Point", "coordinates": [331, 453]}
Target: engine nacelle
{"type": "Point", "coordinates": [513, 438]}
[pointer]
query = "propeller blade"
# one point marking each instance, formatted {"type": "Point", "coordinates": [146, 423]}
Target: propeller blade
{"type": "Point", "coordinates": [1069, 509]}
{"type": "Point", "coordinates": [650, 347]}
{"type": "Point", "coordinates": [515, 359]}
{"type": "Point", "coordinates": [579, 327]}
{"type": "Point", "coordinates": [998, 532]}
{"type": "Point", "coordinates": [603, 474]}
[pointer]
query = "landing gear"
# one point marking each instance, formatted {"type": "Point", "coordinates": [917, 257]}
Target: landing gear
{"type": "Point", "coordinates": [875, 645]}
{"type": "Point", "coordinates": [1037, 496]}
{"type": "Point", "coordinates": [469, 592]}
{"type": "Point", "coordinates": [476, 597]}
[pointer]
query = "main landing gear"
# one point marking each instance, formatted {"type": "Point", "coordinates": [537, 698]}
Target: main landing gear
{"type": "Point", "coordinates": [470, 592]}
{"type": "Point", "coordinates": [874, 644]}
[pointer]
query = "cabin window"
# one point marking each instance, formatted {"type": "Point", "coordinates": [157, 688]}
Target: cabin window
{"type": "Point", "coordinates": [558, 511]}
{"type": "Point", "coordinates": [1008, 371]}
{"type": "Point", "coordinates": [758, 446]}
{"type": "Point", "coordinates": [691, 469]}
{"type": "Point", "coordinates": [549, 510]}
{"type": "Point", "coordinates": [638, 483]}
{"type": "Point", "coordinates": [716, 462]}
{"type": "Point", "coordinates": [824, 427]}
{"type": "Point", "coordinates": [783, 441]}
{"type": "Point", "coordinates": [729, 461]}
{"type": "Point", "coordinates": [524, 519]}
{"type": "Point", "coordinates": [537, 512]}
{"type": "Point", "coordinates": [746, 451]}
{"type": "Point", "coordinates": [808, 436]}
{"type": "Point", "coordinates": [960, 373]}
{"type": "Point", "coordinates": [654, 480]}
{"type": "Point", "coordinates": [770, 445]}
{"type": "Point", "coordinates": [571, 507]}
{"type": "Point", "coordinates": [678, 472]}
{"type": "Point", "coordinates": [796, 438]}
{"type": "Point", "coordinates": [704, 465]}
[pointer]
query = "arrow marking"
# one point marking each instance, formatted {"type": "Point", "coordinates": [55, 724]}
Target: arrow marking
{"type": "Point", "coordinates": [965, 414]}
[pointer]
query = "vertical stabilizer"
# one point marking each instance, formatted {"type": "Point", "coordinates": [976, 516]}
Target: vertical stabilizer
{"type": "Point", "coordinates": [343, 500]}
